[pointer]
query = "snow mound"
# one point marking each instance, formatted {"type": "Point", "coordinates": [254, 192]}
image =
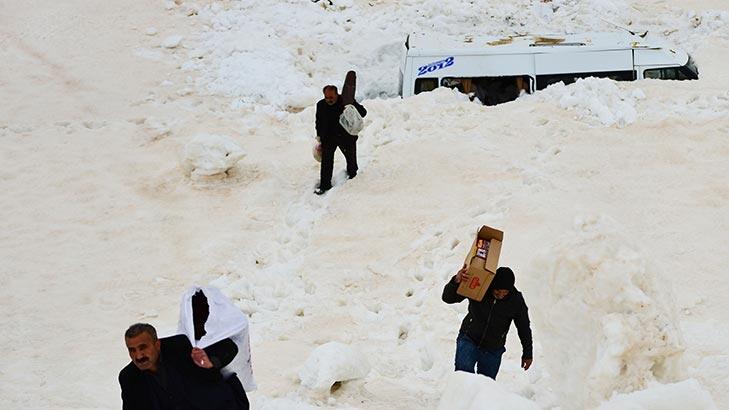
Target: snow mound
{"type": "Point", "coordinates": [171, 41]}
{"type": "Point", "coordinates": [207, 155]}
{"type": "Point", "coordinates": [330, 363]}
{"type": "Point", "coordinates": [600, 101]}
{"type": "Point", "coordinates": [468, 391]}
{"type": "Point", "coordinates": [687, 394]}
{"type": "Point", "coordinates": [606, 318]}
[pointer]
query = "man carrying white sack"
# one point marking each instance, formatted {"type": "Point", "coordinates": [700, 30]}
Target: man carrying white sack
{"type": "Point", "coordinates": [169, 374]}
{"type": "Point", "coordinates": [207, 317]}
{"type": "Point", "coordinates": [482, 338]}
{"type": "Point", "coordinates": [332, 135]}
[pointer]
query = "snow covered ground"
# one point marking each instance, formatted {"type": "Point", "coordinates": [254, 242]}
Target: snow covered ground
{"type": "Point", "coordinates": [613, 197]}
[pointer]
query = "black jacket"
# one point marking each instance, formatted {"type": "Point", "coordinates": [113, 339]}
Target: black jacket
{"type": "Point", "coordinates": [189, 386]}
{"type": "Point", "coordinates": [327, 120]}
{"type": "Point", "coordinates": [488, 321]}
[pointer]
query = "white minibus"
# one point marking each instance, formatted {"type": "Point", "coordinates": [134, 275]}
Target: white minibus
{"type": "Point", "coordinates": [497, 70]}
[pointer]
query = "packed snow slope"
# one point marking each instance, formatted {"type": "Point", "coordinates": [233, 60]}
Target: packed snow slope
{"type": "Point", "coordinates": [147, 146]}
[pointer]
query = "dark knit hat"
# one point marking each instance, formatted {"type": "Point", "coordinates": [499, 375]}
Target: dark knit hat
{"type": "Point", "coordinates": [504, 279]}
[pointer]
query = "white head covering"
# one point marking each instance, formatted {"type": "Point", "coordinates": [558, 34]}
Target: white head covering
{"type": "Point", "coordinates": [225, 321]}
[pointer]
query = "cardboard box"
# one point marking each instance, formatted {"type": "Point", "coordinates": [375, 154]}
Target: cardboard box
{"type": "Point", "coordinates": [482, 270]}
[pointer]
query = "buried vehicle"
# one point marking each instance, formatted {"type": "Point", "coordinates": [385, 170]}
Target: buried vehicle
{"type": "Point", "coordinates": [497, 70]}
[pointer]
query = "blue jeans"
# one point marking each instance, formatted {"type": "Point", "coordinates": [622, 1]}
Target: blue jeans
{"type": "Point", "coordinates": [468, 355]}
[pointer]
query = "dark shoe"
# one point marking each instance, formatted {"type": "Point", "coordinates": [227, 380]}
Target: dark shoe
{"type": "Point", "coordinates": [321, 191]}
{"type": "Point", "coordinates": [352, 175]}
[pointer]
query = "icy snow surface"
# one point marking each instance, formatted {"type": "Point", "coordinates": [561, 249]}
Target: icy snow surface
{"type": "Point", "coordinates": [613, 197]}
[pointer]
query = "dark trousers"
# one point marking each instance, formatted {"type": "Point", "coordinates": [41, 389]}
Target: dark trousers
{"type": "Point", "coordinates": [468, 355]}
{"type": "Point", "coordinates": [348, 146]}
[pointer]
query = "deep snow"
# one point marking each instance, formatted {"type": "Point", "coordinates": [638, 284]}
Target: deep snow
{"type": "Point", "coordinates": [613, 198]}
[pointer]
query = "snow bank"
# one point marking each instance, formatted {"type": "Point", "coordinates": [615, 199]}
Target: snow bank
{"type": "Point", "coordinates": [604, 316]}
{"type": "Point", "coordinates": [405, 120]}
{"type": "Point", "coordinates": [603, 102]}
{"type": "Point", "coordinates": [468, 391]}
{"type": "Point", "coordinates": [330, 363]}
{"type": "Point", "coordinates": [249, 50]}
{"type": "Point", "coordinates": [327, 41]}
{"type": "Point", "coordinates": [687, 394]}
{"type": "Point", "coordinates": [207, 155]}
{"type": "Point", "coordinates": [597, 100]}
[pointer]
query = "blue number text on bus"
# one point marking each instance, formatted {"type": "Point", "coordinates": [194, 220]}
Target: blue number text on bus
{"type": "Point", "coordinates": [429, 68]}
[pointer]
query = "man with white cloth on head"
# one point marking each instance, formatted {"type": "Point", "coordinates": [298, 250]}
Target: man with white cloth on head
{"type": "Point", "coordinates": [208, 317]}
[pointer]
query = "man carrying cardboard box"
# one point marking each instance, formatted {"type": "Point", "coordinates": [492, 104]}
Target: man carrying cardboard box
{"type": "Point", "coordinates": [482, 338]}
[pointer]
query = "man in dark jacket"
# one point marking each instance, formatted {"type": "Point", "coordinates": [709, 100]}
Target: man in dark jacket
{"type": "Point", "coordinates": [332, 135]}
{"type": "Point", "coordinates": [170, 374]}
{"type": "Point", "coordinates": [482, 338]}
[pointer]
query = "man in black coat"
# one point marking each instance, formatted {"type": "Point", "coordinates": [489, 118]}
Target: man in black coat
{"type": "Point", "coordinates": [332, 135]}
{"type": "Point", "coordinates": [170, 374]}
{"type": "Point", "coordinates": [482, 337]}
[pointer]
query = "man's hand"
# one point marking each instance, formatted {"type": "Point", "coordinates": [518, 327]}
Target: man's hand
{"type": "Point", "coordinates": [462, 275]}
{"type": "Point", "coordinates": [201, 358]}
{"type": "Point", "coordinates": [525, 363]}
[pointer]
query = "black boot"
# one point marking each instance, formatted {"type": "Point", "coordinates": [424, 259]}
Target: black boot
{"type": "Point", "coordinates": [321, 190]}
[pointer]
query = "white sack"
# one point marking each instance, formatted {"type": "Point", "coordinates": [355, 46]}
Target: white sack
{"type": "Point", "coordinates": [225, 321]}
{"type": "Point", "coordinates": [350, 120]}
{"type": "Point", "coordinates": [316, 150]}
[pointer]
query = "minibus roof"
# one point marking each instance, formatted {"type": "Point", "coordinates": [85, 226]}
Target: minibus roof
{"type": "Point", "coordinates": [437, 45]}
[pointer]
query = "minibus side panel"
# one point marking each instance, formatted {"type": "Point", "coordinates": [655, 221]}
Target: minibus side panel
{"type": "Point", "coordinates": [584, 62]}
{"type": "Point", "coordinates": [492, 65]}
{"type": "Point", "coordinates": [660, 57]}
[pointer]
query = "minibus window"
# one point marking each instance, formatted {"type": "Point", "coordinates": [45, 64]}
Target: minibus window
{"type": "Point", "coordinates": [490, 90]}
{"type": "Point", "coordinates": [425, 84]}
{"type": "Point", "coordinates": [668, 73]}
